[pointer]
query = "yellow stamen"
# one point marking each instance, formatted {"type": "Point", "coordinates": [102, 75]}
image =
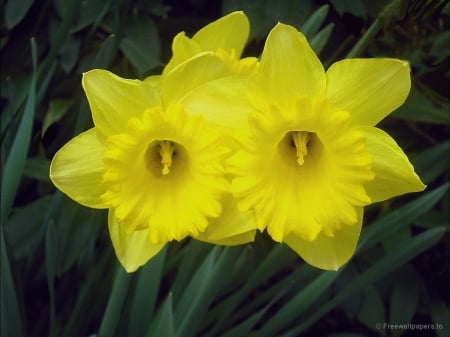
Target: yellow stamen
{"type": "Point", "coordinates": [166, 149]}
{"type": "Point", "coordinates": [301, 139]}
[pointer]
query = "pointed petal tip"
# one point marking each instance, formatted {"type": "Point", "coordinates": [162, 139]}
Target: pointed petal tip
{"type": "Point", "coordinates": [132, 250]}
{"type": "Point", "coordinates": [280, 26]}
{"type": "Point", "coordinates": [237, 14]}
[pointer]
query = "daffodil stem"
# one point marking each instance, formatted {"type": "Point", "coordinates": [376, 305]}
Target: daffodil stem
{"type": "Point", "coordinates": [365, 39]}
{"type": "Point", "coordinates": [392, 11]}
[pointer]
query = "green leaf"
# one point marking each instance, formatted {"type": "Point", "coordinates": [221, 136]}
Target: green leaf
{"type": "Point", "coordinates": [57, 109]}
{"type": "Point", "coordinates": [146, 294]}
{"type": "Point", "coordinates": [364, 41]}
{"type": "Point", "coordinates": [34, 258]}
{"type": "Point", "coordinates": [46, 67]}
{"type": "Point", "coordinates": [372, 309]}
{"type": "Point", "coordinates": [264, 15]}
{"type": "Point", "coordinates": [244, 328]}
{"type": "Point", "coordinates": [280, 257]}
{"type": "Point", "coordinates": [84, 308]}
{"type": "Point", "coordinates": [355, 7]}
{"type": "Point", "coordinates": [42, 89]}
{"type": "Point", "coordinates": [256, 14]}
{"type": "Point", "coordinates": [404, 300]}
{"type": "Point", "coordinates": [419, 108]}
{"type": "Point", "coordinates": [346, 335]}
{"type": "Point", "coordinates": [285, 287]}
{"type": "Point", "coordinates": [374, 8]}
{"type": "Point", "coordinates": [114, 308]}
{"type": "Point", "coordinates": [288, 11]}
{"type": "Point", "coordinates": [312, 25]}
{"type": "Point", "coordinates": [186, 264]}
{"type": "Point", "coordinates": [299, 303]}
{"type": "Point", "coordinates": [141, 45]}
{"type": "Point", "coordinates": [389, 262]}
{"type": "Point", "coordinates": [10, 309]}
{"type": "Point", "coordinates": [199, 293]}
{"type": "Point", "coordinates": [76, 225]}
{"type": "Point", "coordinates": [22, 228]}
{"type": "Point", "coordinates": [106, 53]}
{"type": "Point", "coordinates": [15, 162]}
{"type": "Point", "coordinates": [166, 326]}
{"type": "Point", "coordinates": [440, 316]}
{"type": "Point", "coordinates": [15, 87]}
{"type": "Point", "coordinates": [68, 53]}
{"type": "Point", "coordinates": [433, 218]}
{"type": "Point", "coordinates": [439, 50]}
{"type": "Point", "coordinates": [432, 162]}
{"type": "Point", "coordinates": [392, 222]}
{"type": "Point", "coordinates": [319, 41]}
{"type": "Point", "coordinates": [69, 13]}
{"type": "Point", "coordinates": [15, 10]}
{"type": "Point", "coordinates": [401, 235]}
{"type": "Point", "coordinates": [352, 306]}
{"type": "Point", "coordinates": [91, 11]}
{"type": "Point", "coordinates": [51, 260]}
{"type": "Point", "coordinates": [37, 168]}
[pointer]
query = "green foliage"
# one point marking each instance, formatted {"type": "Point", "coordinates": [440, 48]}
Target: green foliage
{"type": "Point", "coordinates": [59, 275]}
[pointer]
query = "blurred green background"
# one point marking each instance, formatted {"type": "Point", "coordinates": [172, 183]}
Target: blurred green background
{"type": "Point", "coordinates": [59, 275]}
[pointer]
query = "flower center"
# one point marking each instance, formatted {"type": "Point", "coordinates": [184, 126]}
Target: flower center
{"type": "Point", "coordinates": [300, 140]}
{"type": "Point", "coordinates": [166, 150]}
{"type": "Point", "coordinates": [164, 157]}
{"type": "Point", "coordinates": [297, 144]}
{"type": "Point", "coordinates": [165, 174]}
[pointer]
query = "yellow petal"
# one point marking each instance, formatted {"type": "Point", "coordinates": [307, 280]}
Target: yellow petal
{"type": "Point", "coordinates": [222, 102]}
{"type": "Point", "coordinates": [232, 227]}
{"type": "Point", "coordinates": [153, 80]}
{"type": "Point", "coordinates": [369, 89]}
{"type": "Point", "coordinates": [189, 75]}
{"type": "Point", "coordinates": [326, 252]}
{"type": "Point", "coordinates": [134, 249]}
{"type": "Point", "coordinates": [114, 100]}
{"type": "Point", "coordinates": [394, 174]}
{"type": "Point", "coordinates": [289, 68]}
{"type": "Point", "coordinates": [183, 48]}
{"type": "Point", "coordinates": [228, 33]}
{"type": "Point", "coordinates": [77, 169]}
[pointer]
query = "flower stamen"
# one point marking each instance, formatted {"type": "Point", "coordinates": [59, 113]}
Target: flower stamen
{"type": "Point", "coordinates": [301, 140]}
{"type": "Point", "coordinates": [166, 151]}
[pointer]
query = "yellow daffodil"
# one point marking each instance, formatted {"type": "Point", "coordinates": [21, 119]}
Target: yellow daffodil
{"type": "Point", "coordinates": [312, 157]}
{"type": "Point", "coordinates": [226, 37]}
{"type": "Point", "coordinates": [156, 166]}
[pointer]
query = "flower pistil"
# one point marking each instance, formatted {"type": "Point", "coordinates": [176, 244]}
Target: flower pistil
{"type": "Point", "coordinates": [300, 140]}
{"type": "Point", "coordinates": [166, 150]}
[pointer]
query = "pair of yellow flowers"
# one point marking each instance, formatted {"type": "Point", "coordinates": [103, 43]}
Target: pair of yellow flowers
{"type": "Point", "coordinates": [218, 146]}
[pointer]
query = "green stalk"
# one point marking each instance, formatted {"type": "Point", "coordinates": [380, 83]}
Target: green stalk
{"type": "Point", "coordinates": [365, 39]}
{"type": "Point", "coordinates": [391, 12]}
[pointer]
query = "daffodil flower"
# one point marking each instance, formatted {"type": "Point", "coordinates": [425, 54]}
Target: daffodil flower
{"type": "Point", "coordinates": [226, 37]}
{"type": "Point", "coordinates": [312, 158]}
{"type": "Point", "coordinates": [156, 166]}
